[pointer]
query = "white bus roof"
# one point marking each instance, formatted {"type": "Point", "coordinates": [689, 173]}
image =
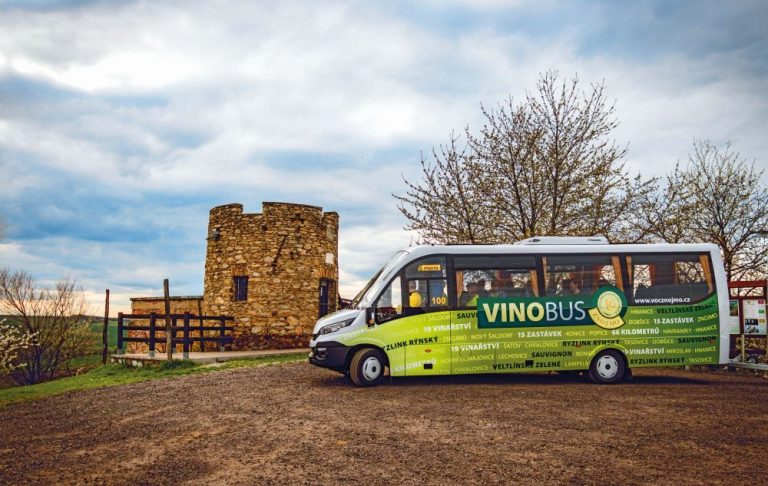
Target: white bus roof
{"type": "Point", "coordinates": [564, 240]}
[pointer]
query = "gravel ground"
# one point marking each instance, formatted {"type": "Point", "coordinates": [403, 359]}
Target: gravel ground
{"type": "Point", "coordinates": [297, 424]}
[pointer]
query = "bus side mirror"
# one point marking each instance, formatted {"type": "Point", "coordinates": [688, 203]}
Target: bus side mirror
{"type": "Point", "coordinates": [369, 318]}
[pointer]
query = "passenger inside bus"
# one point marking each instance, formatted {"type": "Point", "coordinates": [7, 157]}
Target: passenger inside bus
{"type": "Point", "coordinates": [414, 297]}
{"type": "Point", "coordinates": [469, 297]}
{"type": "Point", "coordinates": [490, 281]}
{"type": "Point", "coordinates": [480, 288]}
{"type": "Point", "coordinates": [497, 288]}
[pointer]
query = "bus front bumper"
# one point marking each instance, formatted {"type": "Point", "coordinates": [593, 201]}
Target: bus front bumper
{"type": "Point", "coordinates": [331, 355]}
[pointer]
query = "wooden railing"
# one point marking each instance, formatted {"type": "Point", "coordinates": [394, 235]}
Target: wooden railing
{"type": "Point", "coordinates": [158, 333]}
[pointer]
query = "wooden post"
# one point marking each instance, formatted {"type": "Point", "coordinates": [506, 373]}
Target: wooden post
{"type": "Point", "coordinates": [765, 296]}
{"type": "Point", "coordinates": [173, 332]}
{"type": "Point", "coordinates": [119, 333]}
{"type": "Point", "coordinates": [222, 322]}
{"type": "Point", "coordinates": [741, 329]}
{"type": "Point", "coordinates": [168, 339]}
{"type": "Point", "coordinates": [202, 331]}
{"type": "Point", "coordinates": [104, 338]}
{"type": "Point", "coordinates": [152, 331]}
{"type": "Point", "coordinates": [743, 348]}
{"type": "Point", "coordinates": [186, 335]}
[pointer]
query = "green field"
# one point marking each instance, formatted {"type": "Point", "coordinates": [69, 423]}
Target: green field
{"type": "Point", "coordinates": [93, 358]}
{"type": "Point", "coordinates": [97, 327]}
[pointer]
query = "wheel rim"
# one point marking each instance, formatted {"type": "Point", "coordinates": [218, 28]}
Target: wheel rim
{"type": "Point", "coordinates": [607, 367]}
{"type": "Point", "coordinates": [371, 368]}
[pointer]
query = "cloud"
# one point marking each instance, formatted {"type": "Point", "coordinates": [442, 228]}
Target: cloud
{"type": "Point", "coordinates": [122, 123]}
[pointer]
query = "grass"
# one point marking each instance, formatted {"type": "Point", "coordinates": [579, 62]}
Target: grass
{"type": "Point", "coordinates": [114, 374]}
{"type": "Point", "coordinates": [93, 360]}
{"type": "Point", "coordinates": [97, 328]}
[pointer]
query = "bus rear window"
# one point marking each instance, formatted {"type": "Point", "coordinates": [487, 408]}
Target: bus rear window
{"type": "Point", "coordinates": [659, 279]}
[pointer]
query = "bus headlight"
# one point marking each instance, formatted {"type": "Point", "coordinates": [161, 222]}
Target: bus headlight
{"type": "Point", "coordinates": [335, 326]}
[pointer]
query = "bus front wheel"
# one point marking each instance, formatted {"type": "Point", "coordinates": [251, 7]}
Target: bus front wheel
{"type": "Point", "coordinates": [367, 367]}
{"type": "Point", "coordinates": [607, 367]}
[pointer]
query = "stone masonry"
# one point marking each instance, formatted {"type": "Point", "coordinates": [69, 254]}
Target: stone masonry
{"type": "Point", "coordinates": [285, 253]}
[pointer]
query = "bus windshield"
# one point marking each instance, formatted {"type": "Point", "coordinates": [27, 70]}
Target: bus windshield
{"type": "Point", "coordinates": [362, 295]}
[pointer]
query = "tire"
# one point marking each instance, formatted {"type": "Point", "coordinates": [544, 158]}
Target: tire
{"type": "Point", "coordinates": [607, 367]}
{"type": "Point", "coordinates": [367, 367]}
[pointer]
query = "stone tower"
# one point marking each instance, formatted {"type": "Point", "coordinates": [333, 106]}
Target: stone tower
{"type": "Point", "coordinates": [276, 271]}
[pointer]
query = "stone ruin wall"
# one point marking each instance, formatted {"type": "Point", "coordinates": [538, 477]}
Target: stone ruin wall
{"type": "Point", "coordinates": [284, 251]}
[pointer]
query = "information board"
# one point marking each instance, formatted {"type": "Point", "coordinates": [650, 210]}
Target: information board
{"type": "Point", "coordinates": [754, 316]}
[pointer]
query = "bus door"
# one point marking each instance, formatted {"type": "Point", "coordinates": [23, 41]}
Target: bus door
{"type": "Point", "coordinates": [427, 350]}
{"type": "Point", "coordinates": [476, 350]}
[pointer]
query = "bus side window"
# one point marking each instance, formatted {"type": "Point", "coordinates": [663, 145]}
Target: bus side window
{"type": "Point", "coordinates": [670, 279]}
{"type": "Point", "coordinates": [502, 276]}
{"type": "Point", "coordinates": [438, 293]}
{"type": "Point", "coordinates": [426, 295]}
{"type": "Point", "coordinates": [693, 277]}
{"type": "Point", "coordinates": [470, 286]}
{"type": "Point", "coordinates": [389, 306]}
{"type": "Point", "coordinates": [641, 280]}
{"type": "Point", "coordinates": [427, 285]}
{"type": "Point", "coordinates": [579, 274]}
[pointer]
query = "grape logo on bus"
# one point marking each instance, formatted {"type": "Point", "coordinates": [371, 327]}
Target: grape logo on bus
{"type": "Point", "coordinates": [605, 308]}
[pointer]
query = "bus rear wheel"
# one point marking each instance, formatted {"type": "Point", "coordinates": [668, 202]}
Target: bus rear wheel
{"type": "Point", "coordinates": [367, 367]}
{"type": "Point", "coordinates": [607, 367]}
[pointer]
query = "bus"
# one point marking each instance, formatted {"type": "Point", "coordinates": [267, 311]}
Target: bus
{"type": "Point", "coordinates": [575, 304]}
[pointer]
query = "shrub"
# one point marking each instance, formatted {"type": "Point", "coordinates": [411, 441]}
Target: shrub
{"type": "Point", "coordinates": [54, 316]}
{"type": "Point", "coordinates": [12, 341]}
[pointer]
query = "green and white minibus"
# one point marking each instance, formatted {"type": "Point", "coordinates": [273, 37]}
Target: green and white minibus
{"type": "Point", "coordinates": [543, 304]}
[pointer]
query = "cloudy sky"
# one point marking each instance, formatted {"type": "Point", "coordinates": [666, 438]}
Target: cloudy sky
{"type": "Point", "coordinates": [123, 122]}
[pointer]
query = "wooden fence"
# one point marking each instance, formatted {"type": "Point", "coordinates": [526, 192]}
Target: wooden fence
{"type": "Point", "coordinates": [157, 333]}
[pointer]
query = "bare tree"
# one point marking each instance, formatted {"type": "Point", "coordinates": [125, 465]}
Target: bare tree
{"type": "Point", "coordinates": [56, 317]}
{"type": "Point", "coordinates": [447, 206]}
{"type": "Point", "coordinates": [665, 214]}
{"type": "Point", "coordinates": [546, 166]}
{"type": "Point", "coordinates": [724, 201]}
{"type": "Point", "coordinates": [507, 172]}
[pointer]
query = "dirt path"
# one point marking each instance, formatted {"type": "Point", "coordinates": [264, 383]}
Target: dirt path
{"type": "Point", "coordinates": [296, 424]}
